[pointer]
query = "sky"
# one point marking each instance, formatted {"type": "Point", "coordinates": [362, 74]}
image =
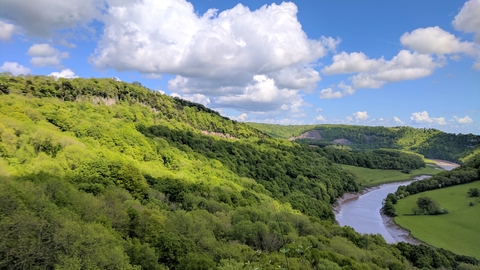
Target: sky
{"type": "Point", "coordinates": [373, 62]}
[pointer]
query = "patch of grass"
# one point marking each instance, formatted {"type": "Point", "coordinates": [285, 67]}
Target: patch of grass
{"type": "Point", "coordinates": [373, 177]}
{"type": "Point", "coordinates": [457, 231]}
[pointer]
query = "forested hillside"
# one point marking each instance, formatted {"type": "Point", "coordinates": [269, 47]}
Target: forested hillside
{"type": "Point", "coordinates": [431, 143]}
{"type": "Point", "coordinates": [99, 174]}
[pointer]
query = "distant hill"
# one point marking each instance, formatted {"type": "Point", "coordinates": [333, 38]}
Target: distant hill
{"type": "Point", "coordinates": [431, 143]}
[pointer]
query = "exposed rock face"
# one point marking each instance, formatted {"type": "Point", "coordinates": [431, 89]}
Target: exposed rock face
{"type": "Point", "coordinates": [313, 135]}
{"type": "Point", "coordinates": [211, 133]}
{"type": "Point", "coordinates": [342, 141]}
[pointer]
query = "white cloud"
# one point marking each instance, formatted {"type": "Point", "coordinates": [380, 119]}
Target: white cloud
{"type": "Point", "coordinates": [320, 118]}
{"type": "Point", "coordinates": [65, 73]}
{"type": "Point", "coordinates": [67, 44]}
{"type": "Point", "coordinates": [352, 63]}
{"type": "Point", "coordinates": [242, 117]}
{"type": "Point", "coordinates": [197, 98]}
{"type": "Point", "coordinates": [14, 68]}
{"type": "Point", "coordinates": [468, 19]}
{"type": "Point", "coordinates": [169, 37]}
{"type": "Point", "coordinates": [329, 93]}
{"type": "Point", "coordinates": [45, 55]}
{"type": "Point", "coordinates": [296, 78]}
{"type": "Point", "coordinates": [6, 30]}
{"type": "Point", "coordinates": [318, 109]}
{"type": "Point", "coordinates": [215, 54]}
{"type": "Point", "coordinates": [361, 115]}
{"type": "Point", "coordinates": [406, 65]}
{"type": "Point", "coordinates": [423, 117]}
{"type": "Point", "coordinates": [41, 18]}
{"type": "Point", "coordinates": [397, 120]}
{"type": "Point", "coordinates": [42, 50]}
{"type": "Point", "coordinates": [436, 40]}
{"type": "Point", "coordinates": [464, 120]}
{"type": "Point", "coordinates": [262, 95]}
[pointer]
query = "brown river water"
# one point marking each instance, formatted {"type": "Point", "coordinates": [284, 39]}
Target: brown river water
{"type": "Point", "coordinates": [361, 211]}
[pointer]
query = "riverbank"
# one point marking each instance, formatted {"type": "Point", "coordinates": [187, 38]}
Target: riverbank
{"type": "Point", "coordinates": [368, 178]}
{"type": "Point", "coordinates": [444, 164]}
{"type": "Point", "coordinates": [362, 211]}
{"type": "Point", "coordinates": [354, 196]}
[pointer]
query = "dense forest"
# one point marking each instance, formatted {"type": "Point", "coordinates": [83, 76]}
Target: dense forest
{"type": "Point", "coordinates": [99, 174]}
{"type": "Point", "coordinates": [386, 159]}
{"type": "Point", "coordinates": [431, 143]}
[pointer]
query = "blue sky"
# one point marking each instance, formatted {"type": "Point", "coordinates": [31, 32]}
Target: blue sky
{"type": "Point", "coordinates": [372, 62]}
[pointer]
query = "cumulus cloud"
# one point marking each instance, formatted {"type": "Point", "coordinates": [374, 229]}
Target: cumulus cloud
{"type": "Point", "coordinates": [42, 50]}
{"type": "Point", "coordinates": [436, 40]}
{"type": "Point", "coordinates": [424, 118]}
{"type": "Point", "coordinates": [197, 98]}
{"type": "Point", "coordinates": [330, 93]}
{"type": "Point", "coordinates": [397, 120]}
{"type": "Point", "coordinates": [45, 55]}
{"type": "Point", "coordinates": [361, 116]}
{"type": "Point", "coordinates": [374, 73]}
{"type": "Point", "coordinates": [463, 120]}
{"type": "Point", "coordinates": [217, 54]}
{"type": "Point", "coordinates": [296, 78]}
{"type": "Point", "coordinates": [262, 95]}
{"type": "Point", "coordinates": [14, 68]}
{"type": "Point", "coordinates": [65, 73]}
{"type": "Point", "coordinates": [468, 20]}
{"type": "Point", "coordinates": [41, 18]}
{"type": "Point", "coordinates": [406, 65]}
{"type": "Point", "coordinates": [6, 30]}
{"type": "Point", "coordinates": [169, 37]}
{"type": "Point", "coordinates": [352, 63]}
{"type": "Point", "coordinates": [242, 117]}
{"type": "Point", "coordinates": [67, 44]}
{"type": "Point", "coordinates": [320, 118]}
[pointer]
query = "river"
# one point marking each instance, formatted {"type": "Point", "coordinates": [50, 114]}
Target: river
{"type": "Point", "coordinates": [362, 211]}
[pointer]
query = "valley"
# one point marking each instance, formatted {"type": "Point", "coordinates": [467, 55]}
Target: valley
{"type": "Point", "coordinates": [97, 173]}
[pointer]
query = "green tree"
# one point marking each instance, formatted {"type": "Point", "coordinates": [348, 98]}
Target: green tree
{"type": "Point", "coordinates": [474, 192]}
{"type": "Point", "coordinates": [428, 206]}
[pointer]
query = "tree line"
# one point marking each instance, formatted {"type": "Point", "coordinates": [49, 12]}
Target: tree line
{"type": "Point", "coordinates": [386, 159]}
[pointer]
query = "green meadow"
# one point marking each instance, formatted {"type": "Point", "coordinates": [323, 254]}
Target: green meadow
{"type": "Point", "coordinates": [374, 177]}
{"type": "Point", "coordinates": [457, 231]}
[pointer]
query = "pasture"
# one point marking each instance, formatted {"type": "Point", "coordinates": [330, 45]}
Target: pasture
{"type": "Point", "coordinates": [457, 231]}
{"type": "Point", "coordinates": [374, 177]}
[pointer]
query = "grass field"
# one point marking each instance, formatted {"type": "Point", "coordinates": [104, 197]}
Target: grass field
{"type": "Point", "coordinates": [370, 177]}
{"type": "Point", "coordinates": [458, 231]}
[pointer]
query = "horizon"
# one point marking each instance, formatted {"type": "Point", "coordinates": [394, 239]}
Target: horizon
{"type": "Point", "coordinates": [287, 63]}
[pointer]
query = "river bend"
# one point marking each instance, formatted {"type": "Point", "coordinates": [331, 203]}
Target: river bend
{"type": "Point", "coordinates": [362, 211]}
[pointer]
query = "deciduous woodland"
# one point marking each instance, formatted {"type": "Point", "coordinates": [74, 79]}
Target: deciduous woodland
{"type": "Point", "coordinates": [100, 174]}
